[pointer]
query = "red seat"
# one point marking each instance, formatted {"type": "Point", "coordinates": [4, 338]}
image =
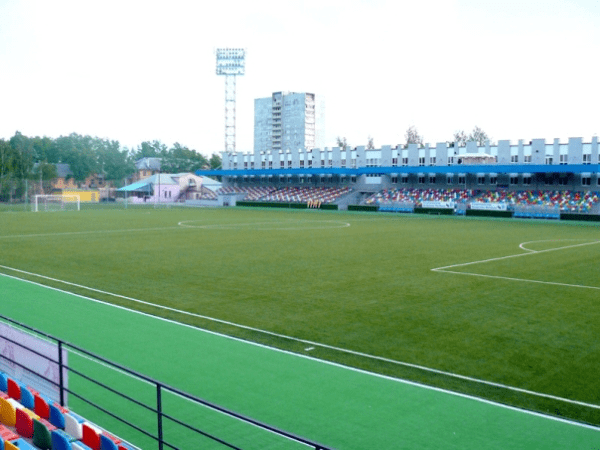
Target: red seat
{"type": "Point", "coordinates": [14, 391]}
{"type": "Point", "coordinates": [40, 407]}
{"type": "Point", "coordinates": [24, 424]}
{"type": "Point", "coordinates": [91, 437]}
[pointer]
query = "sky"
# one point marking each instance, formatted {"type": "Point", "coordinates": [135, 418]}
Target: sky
{"type": "Point", "coordinates": [136, 71]}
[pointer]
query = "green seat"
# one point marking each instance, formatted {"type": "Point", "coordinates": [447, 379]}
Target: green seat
{"type": "Point", "coordinates": [41, 436]}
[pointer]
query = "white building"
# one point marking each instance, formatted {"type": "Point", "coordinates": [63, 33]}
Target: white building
{"type": "Point", "coordinates": [289, 121]}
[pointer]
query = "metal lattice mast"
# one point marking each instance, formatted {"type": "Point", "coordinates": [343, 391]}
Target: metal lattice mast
{"type": "Point", "coordinates": [230, 63]}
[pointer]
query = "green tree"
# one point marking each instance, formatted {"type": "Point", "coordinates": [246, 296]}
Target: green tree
{"type": "Point", "coordinates": [477, 135]}
{"type": "Point", "coordinates": [342, 143]}
{"type": "Point", "coordinates": [215, 161]}
{"type": "Point", "coordinates": [370, 144]}
{"type": "Point", "coordinates": [412, 136]}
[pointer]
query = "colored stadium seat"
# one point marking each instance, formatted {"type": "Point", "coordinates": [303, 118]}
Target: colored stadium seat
{"type": "Point", "coordinates": [56, 417]}
{"type": "Point", "coordinates": [73, 426]}
{"type": "Point", "coordinates": [60, 441]}
{"type": "Point", "coordinates": [41, 407]}
{"type": "Point", "coordinates": [27, 399]}
{"type": "Point", "coordinates": [8, 415]}
{"type": "Point", "coordinates": [10, 446]}
{"type": "Point", "coordinates": [106, 443]}
{"type": "Point", "coordinates": [91, 436]}
{"type": "Point", "coordinates": [21, 444]}
{"type": "Point", "coordinates": [3, 382]}
{"type": "Point", "coordinates": [24, 424]}
{"type": "Point", "coordinates": [14, 390]}
{"type": "Point", "coordinates": [41, 435]}
{"type": "Point", "coordinates": [78, 445]}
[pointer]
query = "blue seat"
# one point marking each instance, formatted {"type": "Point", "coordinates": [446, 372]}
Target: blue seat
{"type": "Point", "coordinates": [56, 417]}
{"type": "Point", "coordinates": [106, 443]}
{"type": "Point", "coordinates": [27, 398]}
{"type": "Point", "coordinates": [60, 442]}
{"type": "Point", "coordinates": [3, 382]}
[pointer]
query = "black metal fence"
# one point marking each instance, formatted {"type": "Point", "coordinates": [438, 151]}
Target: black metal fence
{"type": "Point", "coordinates": [161, 388]}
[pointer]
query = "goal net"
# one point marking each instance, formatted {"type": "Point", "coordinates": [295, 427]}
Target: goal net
{"type": "Point", "coordinates": [56, 203]}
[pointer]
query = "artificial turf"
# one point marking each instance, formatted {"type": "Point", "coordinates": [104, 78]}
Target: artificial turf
{"type": "Point", "coordinates": [336, 406]}
{"type": "Point", "coordinates": [356, 281]}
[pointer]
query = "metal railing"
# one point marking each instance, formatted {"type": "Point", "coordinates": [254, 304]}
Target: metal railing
{"type": "Point", "coordinates": [160, 389]}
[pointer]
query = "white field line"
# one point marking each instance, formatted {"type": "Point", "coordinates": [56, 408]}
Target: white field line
{"type": "Point", "coordinates": [530, 252]}
{"type": "Point", "coordinates": [305, 341]}
{"type": "Point", "coordinates": [75, 233]}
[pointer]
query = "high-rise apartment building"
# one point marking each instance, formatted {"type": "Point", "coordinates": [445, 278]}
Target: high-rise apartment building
{"type": "Point", "coordinates": [289, 121]}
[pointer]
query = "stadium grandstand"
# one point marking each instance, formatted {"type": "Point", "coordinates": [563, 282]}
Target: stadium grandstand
{"type": "Point", "coordinates": [526, 179]}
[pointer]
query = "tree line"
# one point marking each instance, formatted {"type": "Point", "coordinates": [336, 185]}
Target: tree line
{"type": "Point", "coordinates": [412, 136]}
{"type": "Point", "coordinates": [24, 159]}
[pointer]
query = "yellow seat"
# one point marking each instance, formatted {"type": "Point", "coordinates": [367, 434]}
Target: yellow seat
{"type": "Point", "coordinates": [9, 446]}
{"type": "Point", "coordinates": [8, 414]}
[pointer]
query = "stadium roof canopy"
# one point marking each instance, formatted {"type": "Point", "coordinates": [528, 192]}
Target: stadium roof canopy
{"type": "Point", "coordinates": [454, 169]}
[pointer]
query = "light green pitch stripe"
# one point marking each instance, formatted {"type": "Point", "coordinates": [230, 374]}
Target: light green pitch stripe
{"type": "Point", "coordinates": [337, 406]}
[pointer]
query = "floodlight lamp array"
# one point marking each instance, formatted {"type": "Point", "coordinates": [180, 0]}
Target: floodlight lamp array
{"type": "Point", "coordinates": [231, 61]}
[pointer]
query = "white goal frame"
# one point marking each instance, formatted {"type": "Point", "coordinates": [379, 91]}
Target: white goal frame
{"type": "Point", "coordinates": [57, 203]}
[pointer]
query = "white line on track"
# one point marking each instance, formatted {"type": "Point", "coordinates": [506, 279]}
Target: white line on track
{"type": "Point", "coordinates": [303, 341]}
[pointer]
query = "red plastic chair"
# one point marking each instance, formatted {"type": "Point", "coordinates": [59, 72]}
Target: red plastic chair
{"type": "Point", "coordinates": [14, 390]}
{"type": "Point", "coordinates": [40, 407]}
{"type": "Point", "coordinates": [24, 424]}
{"type": "Point", "coordinates": [91, 437]}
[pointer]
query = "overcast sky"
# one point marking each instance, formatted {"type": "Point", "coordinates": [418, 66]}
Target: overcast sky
{"type": "Point", "coordinates": [145, 70]}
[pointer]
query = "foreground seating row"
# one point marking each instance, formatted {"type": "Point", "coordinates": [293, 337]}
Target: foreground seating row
{"type": "Point", "coordinates": [30, 420]}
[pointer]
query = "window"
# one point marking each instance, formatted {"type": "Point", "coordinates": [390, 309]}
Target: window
{"type": "Point", "coordinates": [527, 158]}
{"type": "Point", "coordinates": [462, 180]}
{"type": "Point", "coordinates": [421, 161]}
{"type": "Point", "coordinates": [450, 160]}
{"type": "Point", "coordinates": [404, 180]}
{"type": "Point", "coordinates": [432, 179]}
{"type": "Point", "coordinates": [432, 160]}
{"type": "Point", "coordinates": [586, 181]}
{"type": "Point", "coordinates": [343, 163]}
{"type": "Point", "coordinates": [480, 180]}
{"type": "Point", "coordinates": [394, 162]}
{"type": "Point", "coordinates": [527, 181]}
{"type": "Point", "coordinates": [421, 180]}
{"type": "Point", "coordinates": [405, 161]}
{"type": "Point", "coordinates": [395, 179]}
{"type": "Point", "coordinates": [449, 180]}
{"type": "Point", "coordinates": [302, 164]}
{"type": "Point", "coordinates": [514, 180]}
{"type": "Point", "coordinates": [494, 180]}
{"type": "Point", "coordinates": [587, 158]}
{"type": "Point", "coordinates": [548, 181]}
{"type": "Point", "coordinates": [289, 163]}
{"type": "Point", "coordinates": [514, 159]}
{"type": "Point", "coordinates": [562, 181]}
{"type": "Point", "coordinates": [563, 160]}
{"type": "Point", "coordinates": [549, 160]}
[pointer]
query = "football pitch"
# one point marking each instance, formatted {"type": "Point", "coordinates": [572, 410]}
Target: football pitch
{"type": "Point", "coordinates": [502, 310]}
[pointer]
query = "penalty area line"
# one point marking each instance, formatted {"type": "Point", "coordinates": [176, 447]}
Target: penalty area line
{"type": "Point", "coordinates": [305, 341]}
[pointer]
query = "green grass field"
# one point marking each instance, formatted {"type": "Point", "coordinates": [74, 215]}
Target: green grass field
{"type": "Point", "coordinates": [510, 313]}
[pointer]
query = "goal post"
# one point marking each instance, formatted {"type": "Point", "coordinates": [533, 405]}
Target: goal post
{"type": "Point", "coordinates": [56, 203]}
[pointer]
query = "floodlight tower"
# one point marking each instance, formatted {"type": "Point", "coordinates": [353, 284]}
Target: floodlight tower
{"type": "Point", "coordinates": [230, 62]}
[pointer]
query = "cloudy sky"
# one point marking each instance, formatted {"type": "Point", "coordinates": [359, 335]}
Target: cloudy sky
{"type": "Point", "coordinates": [145, 70]}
